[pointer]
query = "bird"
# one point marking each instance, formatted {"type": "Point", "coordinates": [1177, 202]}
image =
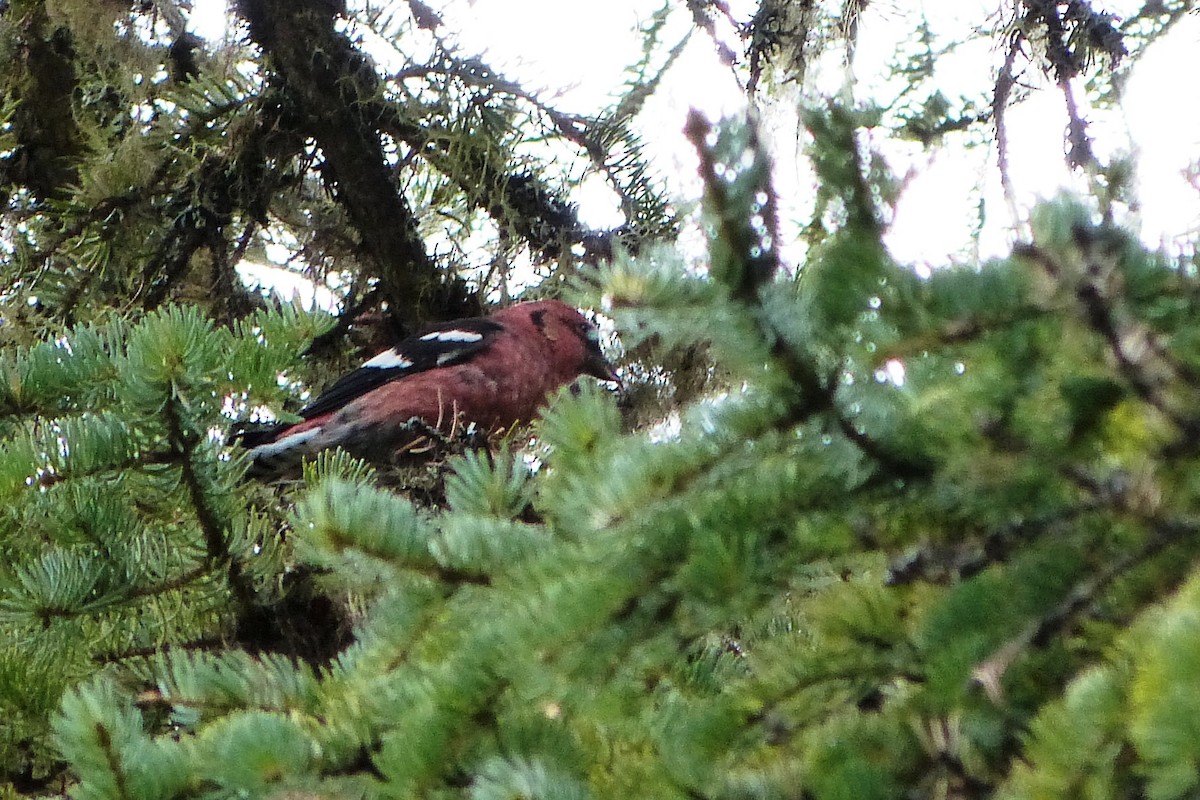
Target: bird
{"type": "Point", "coordinates": [494, 371]}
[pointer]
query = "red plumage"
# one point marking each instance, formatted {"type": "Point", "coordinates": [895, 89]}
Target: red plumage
{"type": "Point", "coordinates": [494, 372]}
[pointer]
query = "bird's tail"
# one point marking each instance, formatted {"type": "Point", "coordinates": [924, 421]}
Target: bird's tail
{"type": "Point", "coordinates": [252, 434]}
{"type": "Point", "coordinates": [269, 457]}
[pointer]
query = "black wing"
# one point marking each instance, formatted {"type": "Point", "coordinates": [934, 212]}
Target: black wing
{"type": "Point", "coordinates": [437, 346]}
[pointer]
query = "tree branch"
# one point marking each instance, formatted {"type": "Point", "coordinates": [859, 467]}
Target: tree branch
{"type": "Point", "coordinates": [216, 534]}
{"type": "Point", "coordinates": [336, 90]}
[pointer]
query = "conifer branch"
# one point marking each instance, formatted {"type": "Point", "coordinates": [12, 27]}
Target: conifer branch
{"type": "Point", "coordinates": [176, 583]}
{"type": "Point", "coordinates": [216, 536]}
{"type": "Point", "coordinates": [939, 564]}
{"type": "Point", "coordinates": [335, 90]}
{"type": "Point", "coordinates": [101, 212]}
{"type": "Point", "coordinates": [539, 215]}
{"type": "Point", "coordinates": [753, 249]}
{"type": "Point", "coordinates": [153, 458]}
{"type": "Point", "coordinates": [449, 575]}
{"type": "Point", "coordinates": [1005, 81]}
{"type": "Point", "coordinates": [156, 697]}
{"type": "Point", "coordinates": [204, 207]}
{"type": "Point", "coordinates": [124, 656]}
{"type": "Point", "coordinates": [1122, 341]}
{"type": "Point", "coordinates": [1145, 366]}
{"type": "Point", "coordinates": [963, 331]}
{"type": "Point", "coordinates": [1084, 594]}
{"type": "Point", "coordinates": [1163, 533]}
{"type": "Point", "coordinates": [749, 230]}
{"type": "Point", "coordinates": [895, 464]}
{"type": "Point", "coordinates": [542, 217]}
{"type": "Point", "coordinates": [115, 765]}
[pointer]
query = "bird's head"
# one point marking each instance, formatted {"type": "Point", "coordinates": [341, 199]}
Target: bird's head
{"type": "Point", "coordinates": [573, 341]}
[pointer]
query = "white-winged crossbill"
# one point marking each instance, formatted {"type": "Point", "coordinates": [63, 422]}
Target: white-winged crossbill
{"type": "Point", "coordinates": [491, 371]}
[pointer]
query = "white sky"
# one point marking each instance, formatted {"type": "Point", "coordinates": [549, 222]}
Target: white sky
{"type": "Point", "coordinates": [1155, 123]}
{"type": "Point", "coordinates": [576, 50]}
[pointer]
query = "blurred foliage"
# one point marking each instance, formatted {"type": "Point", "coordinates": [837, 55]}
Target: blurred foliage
{"type": "Point", "coordinates": [928, 581]}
